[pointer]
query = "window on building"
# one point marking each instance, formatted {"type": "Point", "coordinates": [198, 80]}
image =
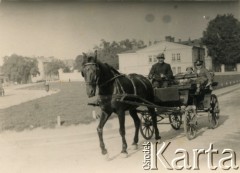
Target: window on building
{"type": "Point", "coordinates": [149, 59]}
{"type": "Point", "coordinates": [178, 57]}
{"type": "Point", "coordinates": [174, 70]}
{"type": "Point", "coordinates": [154, 58]}
{"type": "Point", "coordinates": [173, 57]}
{"type": "Point", "coordinates": [179, 69]}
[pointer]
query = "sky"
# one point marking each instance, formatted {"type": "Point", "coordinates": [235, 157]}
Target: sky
{"type": "Point", "coordinates": [65, 30]}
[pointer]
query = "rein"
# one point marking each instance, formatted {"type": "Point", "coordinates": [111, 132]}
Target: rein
{"type": "Point", "coordinates": [113, 78]}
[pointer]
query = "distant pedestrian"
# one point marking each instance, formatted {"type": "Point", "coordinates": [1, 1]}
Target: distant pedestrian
{"type": "Point", "coordinates": [46, 84]}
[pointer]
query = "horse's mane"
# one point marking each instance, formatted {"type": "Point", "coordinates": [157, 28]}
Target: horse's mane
{"type": "Point", "coordinates": [112, 69]}
{"type": "Point", "coordinates": [103, 64]}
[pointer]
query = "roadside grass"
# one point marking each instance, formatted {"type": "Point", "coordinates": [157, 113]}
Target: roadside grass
{"type": "Point", "coordinates": [70, 103]}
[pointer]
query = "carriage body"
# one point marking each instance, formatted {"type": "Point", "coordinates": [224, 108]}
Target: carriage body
{"type": "Point", "coordinates": [183, 104]}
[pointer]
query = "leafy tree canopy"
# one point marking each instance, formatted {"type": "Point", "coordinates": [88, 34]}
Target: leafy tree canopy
{"type": "Point", "coordinates": [222, 38]}
{"type": "Point", "coordinates": [19, 69]}
{"type": "Point", "coordinates": [107, 51]}
{"type": "Point", "coordinates": [53, 67]}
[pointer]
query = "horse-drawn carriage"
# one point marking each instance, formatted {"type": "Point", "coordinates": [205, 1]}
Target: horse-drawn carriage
{"type": "Point", "coordinates": [180, 103]}
{"type": "Point", "coordinates": [119, 93]}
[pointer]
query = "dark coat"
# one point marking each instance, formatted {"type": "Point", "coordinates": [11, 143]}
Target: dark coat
{"type": "Point", "coordinates": [158, 69]}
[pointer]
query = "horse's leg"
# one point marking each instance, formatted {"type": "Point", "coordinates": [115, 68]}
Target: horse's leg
{"type": "Point", "coordinates": [133, 113]}
{"type": "Point", "coordinates": [103, 119]}
{"type": "Point", "coordinates": [121, 117]}
{"type": "Point", "coordinates": [154, 120]}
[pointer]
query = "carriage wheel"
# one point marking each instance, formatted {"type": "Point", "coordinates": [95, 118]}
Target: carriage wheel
{"type": "Point", "coordinates": [175, 121]}
{"type": "Point", "coordinates": [213, 112]}
{"type": "Point", "coordinates": [190, 124]}
{"type": "Point", "coordinates": [146, 126]}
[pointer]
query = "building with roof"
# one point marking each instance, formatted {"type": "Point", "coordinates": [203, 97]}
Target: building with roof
{"type": "Point", "coordinates": [178, 55]}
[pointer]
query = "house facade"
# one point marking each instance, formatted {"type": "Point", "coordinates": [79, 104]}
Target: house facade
{"type": "Point", "coordinates": [70, 77]}
{"type": "Point", "coordinates": [179, 56]}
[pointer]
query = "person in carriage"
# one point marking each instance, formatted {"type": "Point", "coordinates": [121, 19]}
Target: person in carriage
{"type": "Point", "coordinates": [161, 73]}
{"type": "Point", "coordinates": [204, 77]}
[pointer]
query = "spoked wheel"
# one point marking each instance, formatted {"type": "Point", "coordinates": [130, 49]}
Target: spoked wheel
{"type": "Point", "coordinates": [146, 126]}
{"type": "Point", "coordinates": [190, 123]}
{"type": "Point", "coordinates": [175, 121]}
{"type": "Point", "coordinates": [213, 113]}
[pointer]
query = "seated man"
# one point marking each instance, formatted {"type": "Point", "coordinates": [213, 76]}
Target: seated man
{"type": "Point", "coordinates": [204, 78]}
{"type": "Point", "coordinates": [160, 73]}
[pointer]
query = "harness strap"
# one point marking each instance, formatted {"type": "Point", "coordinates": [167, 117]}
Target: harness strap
{"type": "Point", "coordinates": [134, 86]}
{"type": "Point", "coordinates": [118, 84]}
{"type": "Point", "coordinates": [144, 84]}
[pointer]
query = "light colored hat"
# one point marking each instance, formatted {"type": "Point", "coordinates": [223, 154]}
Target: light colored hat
{"type": "Point", "coordinates": [198, 62]}
{"type": "Point", "coordinates": [189, 68]}
{"type": "Point", "coordinates": [161, 55]}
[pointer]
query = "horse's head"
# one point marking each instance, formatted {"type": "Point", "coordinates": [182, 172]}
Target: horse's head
{"type": "Point", "coordinates": [90, 72]}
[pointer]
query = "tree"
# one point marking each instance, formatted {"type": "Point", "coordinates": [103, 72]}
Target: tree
{"type": "Point", "coordinates": [78, 62]}
{"type": "Point", "coordinates": [66, 69]}
{"type": "Point", "coordinates": [20, 69]}
{"type": "Point", "coordinates": [107, 51]}
{"type": "Point", "coordinates": [222, 39]}
{"type": "Point", "coordinates": [53, 67]}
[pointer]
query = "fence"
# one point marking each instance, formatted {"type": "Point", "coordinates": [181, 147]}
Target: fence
{"type": "Point", "coordinates": [226, 79]}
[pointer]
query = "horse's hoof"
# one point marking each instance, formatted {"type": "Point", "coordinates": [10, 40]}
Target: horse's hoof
{"type": "Point", "coordinates": [104, 152]}
{"type": "Point", "coordinates": [158, 138]}
{"type": "Point", "coordinates": [124, 154]}
{"type": "Point", "coordinates": [135, 146]}
{"type": "Point", "coordinates": [106, 157]}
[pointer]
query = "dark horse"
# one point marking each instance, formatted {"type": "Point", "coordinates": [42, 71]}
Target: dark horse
{"type": "Point", "coordinates": [112, 84]}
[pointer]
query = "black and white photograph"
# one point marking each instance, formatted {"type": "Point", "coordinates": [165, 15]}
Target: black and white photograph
{"type": "Point", "coordinates": [119, 86]}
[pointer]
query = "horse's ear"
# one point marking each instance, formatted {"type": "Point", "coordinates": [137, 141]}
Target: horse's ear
{"type": "Point", "coordinates": [84, 55]}
{"type": "Point", "coordinates": [95, 55]}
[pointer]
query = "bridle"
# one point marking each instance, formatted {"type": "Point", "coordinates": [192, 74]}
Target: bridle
{"type": "Point", "coordinates": [97, 72]}
{"type": "Point", "coordinates": [97, 78]}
